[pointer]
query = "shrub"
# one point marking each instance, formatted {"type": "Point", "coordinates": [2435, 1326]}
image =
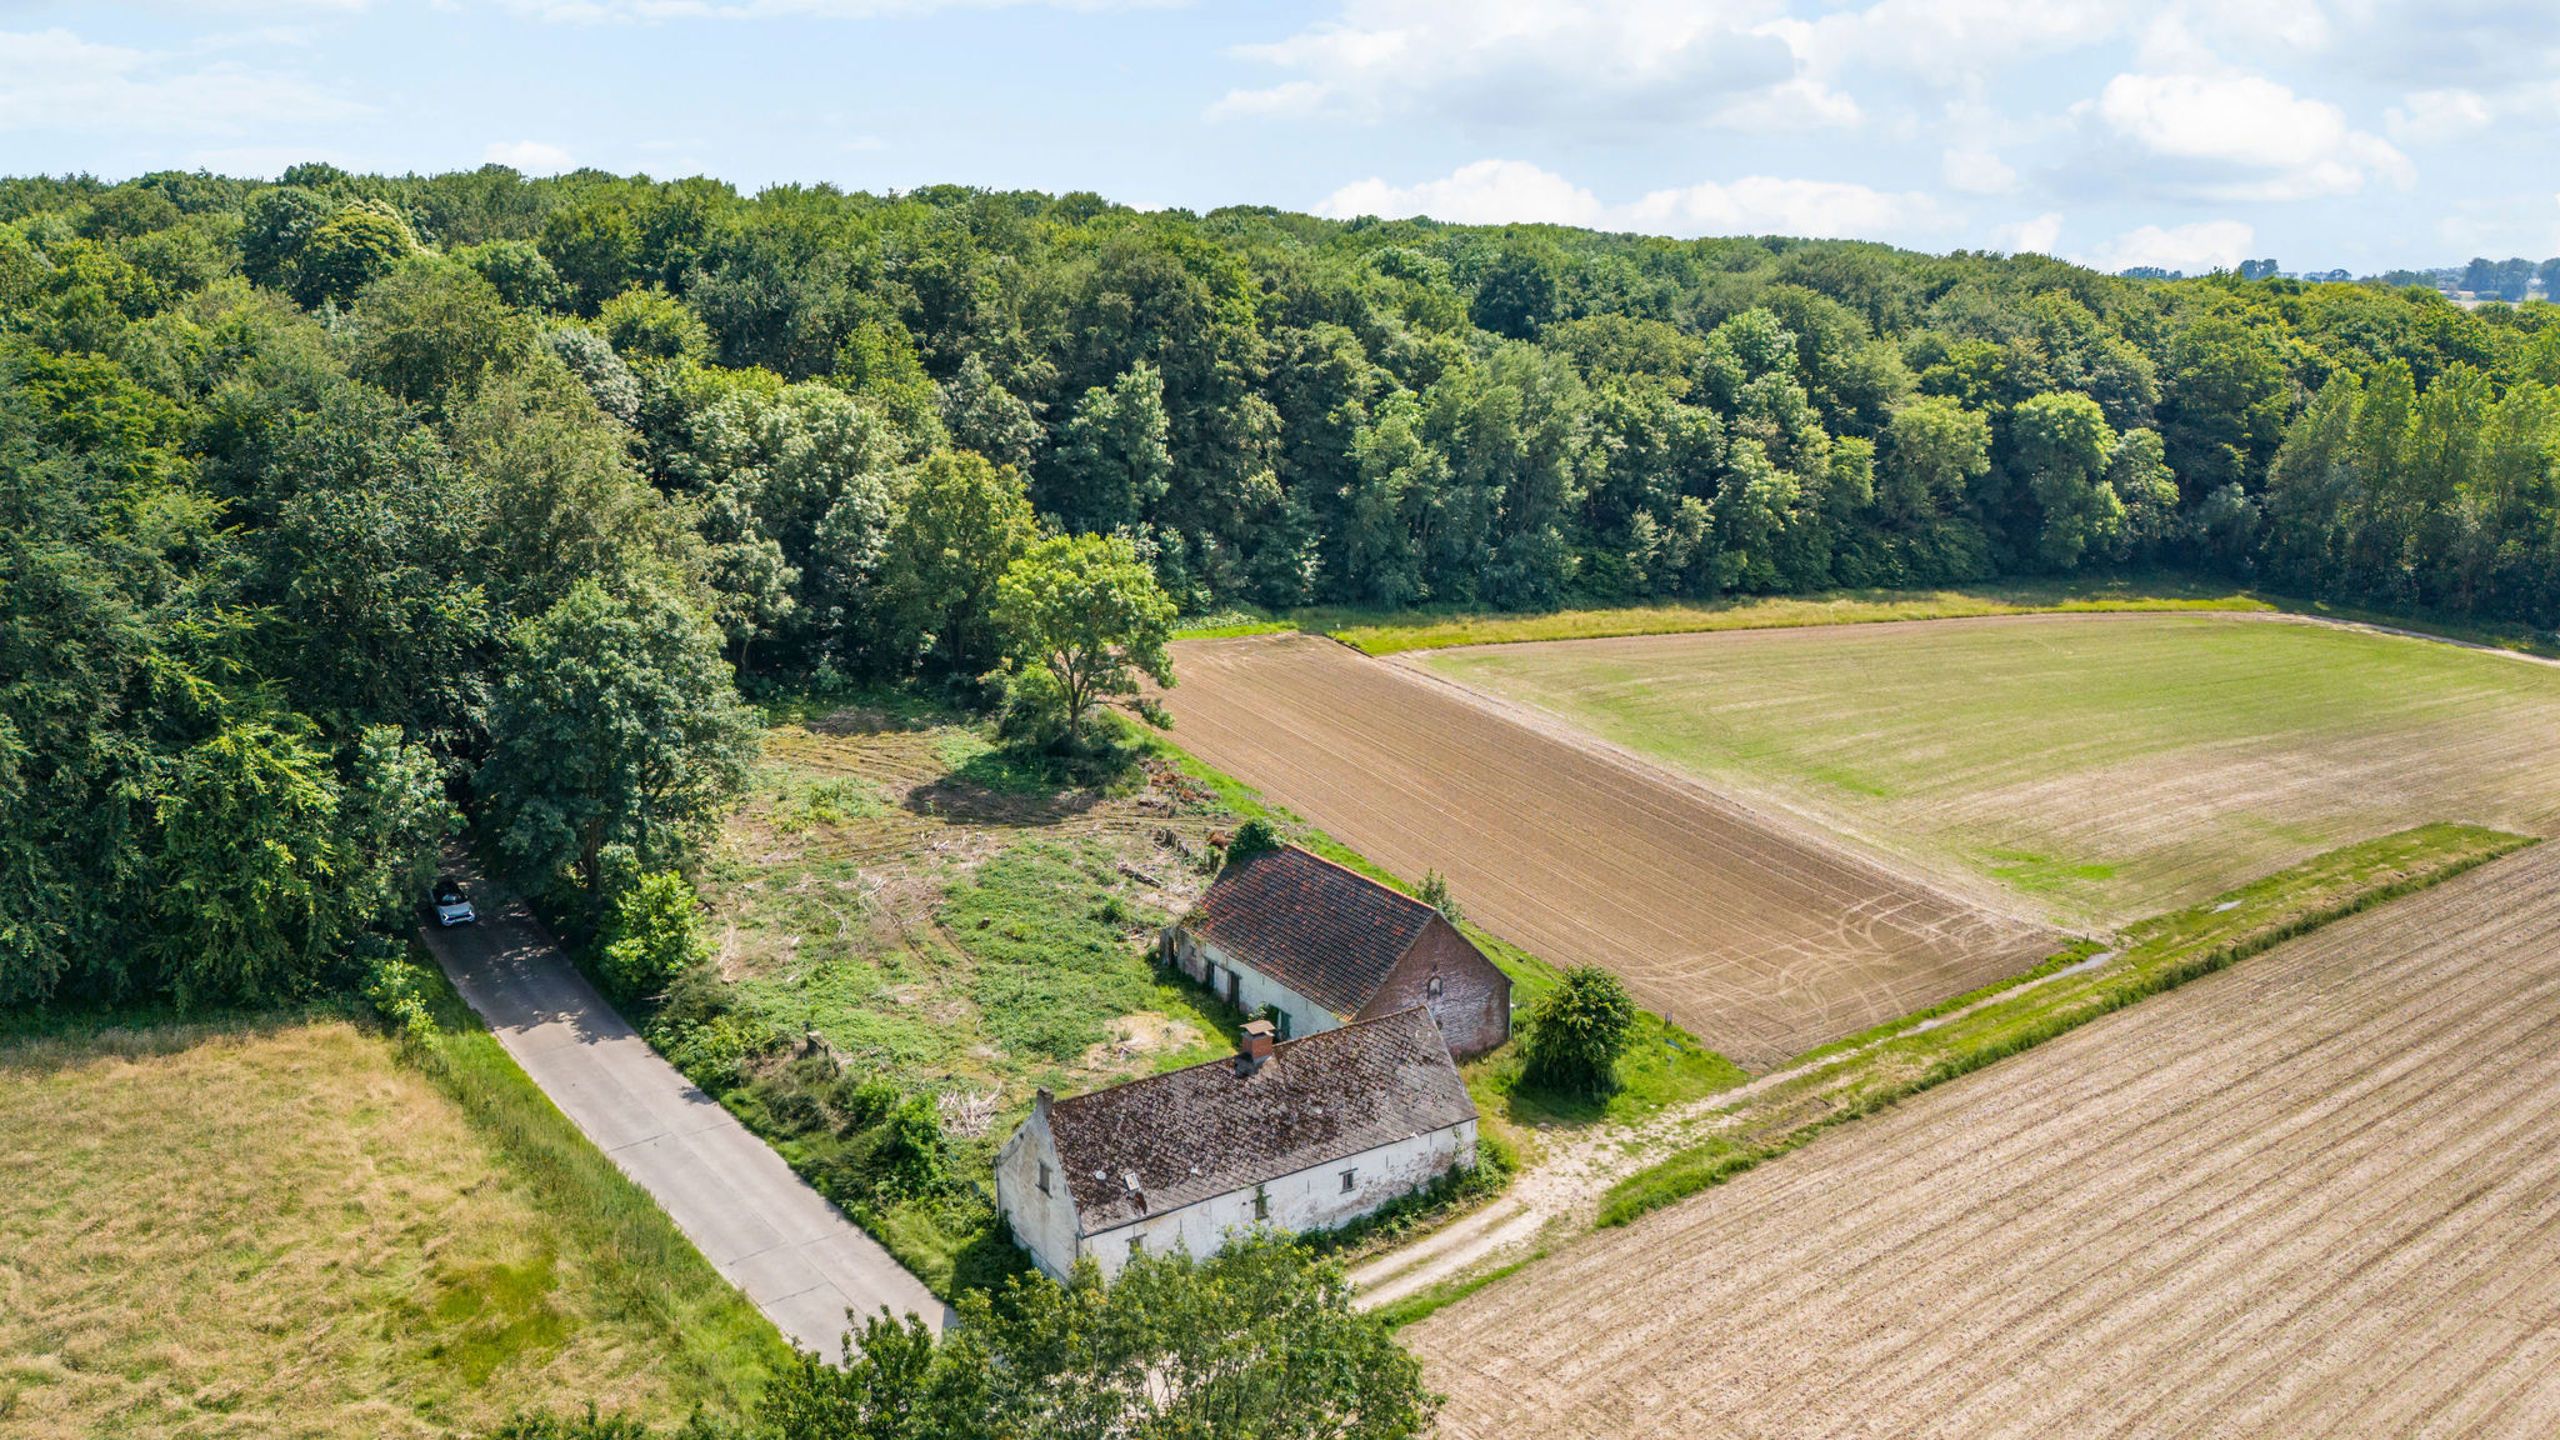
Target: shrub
{"type": "Point", "coordinates": [913, 1157]}
{"type": "Point", "coordinates": [651, 937]}
{"type": "Point", "coordinates": [1575, 1033]}
{"type": "Point", "coordinates": [398, 989]}
{"type": "Point", "coordinates": [1435, 893]}
{"type": "Point", "coordinates": [714, 1054]}
{"type": "Point", "coordinates": [863, 1103]}
{"type": "Point", "coordinates": [1254, 837]}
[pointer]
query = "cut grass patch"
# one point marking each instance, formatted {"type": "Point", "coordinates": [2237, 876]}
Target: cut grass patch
{"type": "Point", "coordinates": [269, 1226]}
{"type": "Point", "coordinates": [2158, 955]}
{"type": "Point", "coordinates": [2103, 769]}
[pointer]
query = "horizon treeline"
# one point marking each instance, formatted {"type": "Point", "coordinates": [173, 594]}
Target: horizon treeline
{"type": "Point", "coordinates": [317, 496]}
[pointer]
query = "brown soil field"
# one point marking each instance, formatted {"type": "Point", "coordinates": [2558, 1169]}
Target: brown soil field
{"type": "Point", "coordinates": [1752, 931]}
{"type": "Point", "coordinates": [2311, 1195]}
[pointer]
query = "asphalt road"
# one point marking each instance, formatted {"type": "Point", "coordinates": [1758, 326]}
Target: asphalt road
{"type": "Point", "coordinates": [793, 1253]}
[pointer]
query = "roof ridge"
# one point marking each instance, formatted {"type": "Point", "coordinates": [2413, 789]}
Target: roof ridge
{"type": "Point", "coordinates": [1338, 1030]}
{"type": "Point", "coordinates": [1364, 878]}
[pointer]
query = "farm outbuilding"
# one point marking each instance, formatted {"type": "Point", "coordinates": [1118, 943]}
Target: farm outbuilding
{"type": "Point", "coordinates": [1321, 946]}
{"type": "Point", "coordinates": [1297, 1135]}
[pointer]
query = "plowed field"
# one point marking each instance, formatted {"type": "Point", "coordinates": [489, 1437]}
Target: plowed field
{"type": "Point", "coordinates": [2312, 1195]}
{"type": "Point", "coordinates": [1753, 932]}
{"type": "Point", "coordinates": [2103, 768]}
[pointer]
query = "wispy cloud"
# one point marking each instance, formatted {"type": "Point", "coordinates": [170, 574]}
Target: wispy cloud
{"type": "Point", "coordinates": [55, 80]}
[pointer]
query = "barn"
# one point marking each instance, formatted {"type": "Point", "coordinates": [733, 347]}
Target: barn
{"type": "Point", "coordinates": [1319, 945]}
{"type": "Point", "coordinates": [1304, 1134]}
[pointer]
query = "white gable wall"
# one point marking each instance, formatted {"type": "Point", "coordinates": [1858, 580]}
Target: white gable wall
{"type": "Point", "coordinates": [1045, 1225]}
{"type": "Point", "coordinates": [1311, 1199]}
{"type": "Point", "coordinates": [1208, 963]}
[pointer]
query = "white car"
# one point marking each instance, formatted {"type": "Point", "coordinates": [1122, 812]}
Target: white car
{"type": "Point", "coordinates": [452, 905]}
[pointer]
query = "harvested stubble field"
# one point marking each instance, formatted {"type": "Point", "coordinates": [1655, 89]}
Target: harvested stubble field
{"type": "Point", "coordinates": [2310, 1195]}
{"type": "Point", "coordinates": [1756, 934]}
{"type": "Point", "coordinates": [2101, 767]}
{"type": "Point", "coordinates": [273, 1229]}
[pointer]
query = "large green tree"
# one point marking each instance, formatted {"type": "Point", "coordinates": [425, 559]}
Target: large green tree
{"type": "Point", "coordinates": [1085, 617]}
{"type": "Point", "coordinates": [614, 723]}
{"type": "Point", "coordinates": [1258, 1342]}
{"type": "Point", "coordinates": [963, 523]}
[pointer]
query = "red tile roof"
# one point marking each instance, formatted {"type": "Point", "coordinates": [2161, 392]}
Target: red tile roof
{"type": "Point", "coordinates": [1170, 1140]}
{"type": "Point", "coordinates": [1329, 933]}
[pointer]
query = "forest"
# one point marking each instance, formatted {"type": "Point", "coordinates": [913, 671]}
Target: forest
{"type": "Point", "coordinates": [336, 508]}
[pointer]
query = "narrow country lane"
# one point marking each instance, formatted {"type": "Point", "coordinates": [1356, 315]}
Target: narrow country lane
{"type": "Point", "coordinates": [792, 1252]}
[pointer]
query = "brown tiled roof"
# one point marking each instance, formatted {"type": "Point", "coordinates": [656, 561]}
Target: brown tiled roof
{"type": "Point", "coordinates": [1187, 1135]}
{"type": "Point", "coordinates": [1328, 933]}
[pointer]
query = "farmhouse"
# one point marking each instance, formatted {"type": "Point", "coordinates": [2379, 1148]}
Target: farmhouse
{"type": "Point", "coordinates": [1321, 946]}
{"type": "Point", "coordinates": [1298, 1135]}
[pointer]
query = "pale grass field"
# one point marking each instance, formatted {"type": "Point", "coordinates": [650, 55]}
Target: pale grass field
{"type": "Point", "coordinates": [2101, 767]}
{"type": "Point", "coordinates": [278, 1231]}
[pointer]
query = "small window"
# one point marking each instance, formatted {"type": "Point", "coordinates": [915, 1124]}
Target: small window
{"type": "Point", "coordinates": [1044, 1177]}
{"type": "Point", "coordinates": [1435, 987]}
{"type": "Point", "coordinates": [1261, 1205]}
{"type": "Point", "coordinates": [1349, 1178]}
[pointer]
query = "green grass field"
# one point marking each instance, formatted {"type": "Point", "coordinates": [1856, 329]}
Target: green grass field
{"type": "Point", "coordinates": [272, 1227]}
{"type": "Point", "coordinates": [2103, 768]}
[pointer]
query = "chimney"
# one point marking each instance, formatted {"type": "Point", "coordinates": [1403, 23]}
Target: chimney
{"type": "Point", "coordinates": [1254, 1046]}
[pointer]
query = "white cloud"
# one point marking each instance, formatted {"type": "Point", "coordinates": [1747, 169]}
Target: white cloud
{"type": "Point", "coordinates": [1608, 66]}
{"type": "Point", "coordinates": [1764, 205]}
{"type": "Point", "coordinates": [1957, 41]}
{"type": "Point", "coordinates": [2195, 248]}
{"type": "Point", "coordinates": [1490, 192]}
{"type": "Point", "coordinates": [54, 80]}
{"type": "Point", "coordinates": [2426, 116]}
{"type": "Point", "coordinates": [533, 157]}
{"type": "Point", "coordinates": [590, 12]}
{"type": "Point", "coordinates": [2248, 137]}
{"type": "Point", "coordinates": [1978, 172]}
{"type": "Point", "coordinates": [1798, 104]}
{"type": "Point", "coordinates": [2038, 236]}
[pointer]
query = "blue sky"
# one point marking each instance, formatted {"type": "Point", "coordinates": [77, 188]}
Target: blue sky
{"type": "Point", "coordinates": [2186, 133]}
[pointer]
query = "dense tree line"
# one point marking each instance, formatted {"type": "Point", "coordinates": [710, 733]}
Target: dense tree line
{"type": "Point", "coordinates": [337, 503]}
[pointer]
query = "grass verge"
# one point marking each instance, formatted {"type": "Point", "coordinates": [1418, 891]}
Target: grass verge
{"type": "Point", "coordinates": [723, 1346]}
{"type": "Point", "coordinates": [1388, 634]}
{"type": "Point", "coordinates": [2157, 955]}
{"type": "Point", "coordinates": [1432, 1298]}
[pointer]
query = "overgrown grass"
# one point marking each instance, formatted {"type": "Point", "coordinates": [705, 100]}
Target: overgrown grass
{"type": "Point", "coordinates": [1048, 935]}
{"type": "Point", "coordinates": [1391, 633]}
{"type": "Point", "coordinates": [2158, 955]}
{"type": "Point", "coordinates": [1388, 632]}
{"type": "Point", "coordinates": [260, 1225]}
{"type": "Point", "coordinates": [981, 930]}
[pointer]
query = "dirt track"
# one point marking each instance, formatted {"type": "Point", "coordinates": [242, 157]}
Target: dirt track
{"type": "Point", "coordinates": [2313, 1195]}
{"type": "Point", "coordinates": [1757, 936]}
